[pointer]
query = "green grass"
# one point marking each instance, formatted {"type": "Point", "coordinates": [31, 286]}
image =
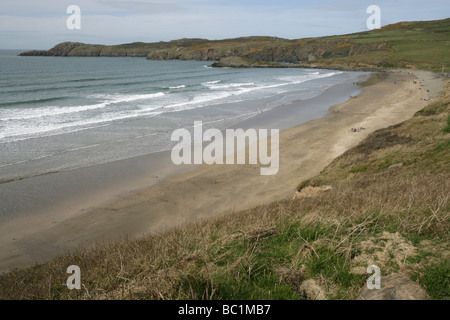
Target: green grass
{"type": "Point", "coordinates": [436, 280]}
{"type": "Point", "coordinates": [447, 128]}
{"type": "Point", "coordinates": [406, 46]}
{"type": "Point", "coordinates": [259, 261]}
{"type": "Point", "coordinates": [266, 287]}
{"type": "Point", "coordinates": [357, 169]}
{"type": "Point", "coordinates": [335, 267]}
{"type": "Point", "coordinates": [422, 44]}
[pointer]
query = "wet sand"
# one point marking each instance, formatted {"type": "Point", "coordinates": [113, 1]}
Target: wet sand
{"type": "Point", "coordinates": [154, 194]}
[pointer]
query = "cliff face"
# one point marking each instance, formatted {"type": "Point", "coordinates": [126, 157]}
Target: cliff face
{"type": "Point", "coordinates": [135, 49]}
{"type": "Point", "coordinates": [276, 51]}
{"type": "Point", "coordinates": [238, 62]}
{"type": "Point", "coordinates": [62, 49]}
{"type": "Point", "coordinates": [259, 49]}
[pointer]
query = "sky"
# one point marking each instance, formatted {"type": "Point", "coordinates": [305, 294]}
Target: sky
{"type": "Point", "coordinates": [41, 24]}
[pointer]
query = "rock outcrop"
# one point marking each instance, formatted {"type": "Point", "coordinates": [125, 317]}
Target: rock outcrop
{"type": "Point", "coordinates": [310, 290]}
{"type": "Point", "coordinates": [238, 62]}
{"type": "Point", "coordinates": [396, 286]}
{"type": "Point", "coordinates": [62, 50]}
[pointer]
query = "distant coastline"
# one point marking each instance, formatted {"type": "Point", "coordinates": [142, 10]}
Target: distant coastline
{"type": "Point", "coordinates": [386, 48]}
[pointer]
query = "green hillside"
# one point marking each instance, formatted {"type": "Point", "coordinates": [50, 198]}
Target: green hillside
{"type": "Point", "coordinates": [422, 45]}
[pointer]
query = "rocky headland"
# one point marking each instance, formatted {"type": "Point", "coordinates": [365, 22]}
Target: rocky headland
{"type": "Point", "coordinates": [408, 45]}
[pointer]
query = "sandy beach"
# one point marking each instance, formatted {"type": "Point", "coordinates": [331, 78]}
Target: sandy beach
{"type": "Point", "coordinates": [180, 195]}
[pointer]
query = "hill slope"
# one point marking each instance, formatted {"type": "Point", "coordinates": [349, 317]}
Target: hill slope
{"type": "Point", "coordinates": [422, 45]}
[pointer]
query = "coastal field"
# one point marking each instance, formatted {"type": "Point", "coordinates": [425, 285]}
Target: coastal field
{"type": "Point", "coordinates": [386, 202]}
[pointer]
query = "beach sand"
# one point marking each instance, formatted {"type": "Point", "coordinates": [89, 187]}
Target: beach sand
{"type": "Point", "coordinates": [206, 191]}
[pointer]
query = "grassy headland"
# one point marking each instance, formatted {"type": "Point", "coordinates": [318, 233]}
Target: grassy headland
{"type": "Point", "coordinates": [387, 203]}
{"type": "Point", "coordinates": [422, 45]}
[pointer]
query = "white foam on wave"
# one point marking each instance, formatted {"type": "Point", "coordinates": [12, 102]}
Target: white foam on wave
{"type": "Point", "coordinates": [119, 98]}
{"type": "Point", "coordinates": [23, 131]}
{"type": "Point", "coordinates": [210, 82]}
{"type": "Point", "coordinates": [222, 91]}
{"type": "Point", "coordinates": [306, 77]}
{"type": "Point", "coordinates": [22, 123]}
{"type": "Point", "coordinates": [178, 87]}
{"type": "Point", "coordinates": [242, 88]}
{"type": "Point", "coordinates": [230, 85]}
{"type": "Point", "coordinates": [32, 113]}
{"type": "Point", "coordinates": [42, 121]}
{"type": "Point", "coordinates": [198, 101]}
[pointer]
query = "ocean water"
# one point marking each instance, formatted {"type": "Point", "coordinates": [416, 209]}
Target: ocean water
{"type": "Point", "coordinates": [58, 113]}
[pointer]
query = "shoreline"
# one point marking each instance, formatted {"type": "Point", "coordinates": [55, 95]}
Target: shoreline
{"type": "Point", "coordinates": [208, 190]}
{"type": "Point", "coordinates": [134, 168]}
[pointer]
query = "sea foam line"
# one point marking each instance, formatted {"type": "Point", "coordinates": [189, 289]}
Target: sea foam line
{"type": "Point", "coordinates": [54, 111]}
{"type": "Point", "coordinates": [196, 102]}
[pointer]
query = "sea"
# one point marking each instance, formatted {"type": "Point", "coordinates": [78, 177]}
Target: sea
{"type": "Point", "coordinates": [60, 113]}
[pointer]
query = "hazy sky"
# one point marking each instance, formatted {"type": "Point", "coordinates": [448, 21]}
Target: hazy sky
{"type": "Point", "coordinates": [40, 24]}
